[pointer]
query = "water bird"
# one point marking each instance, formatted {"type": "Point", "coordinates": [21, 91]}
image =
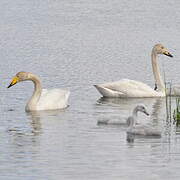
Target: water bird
{"type": "Point", "coordinates": [125, 121]}
{"type": "Point", "coordinates": [42, 99]}
{"type": "Point", "coordinates": [132, 88]}
{"type": "Point", "coordinates": [140, 129]}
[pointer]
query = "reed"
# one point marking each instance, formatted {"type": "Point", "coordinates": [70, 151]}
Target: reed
{"type": "Point", "coordinates": [176, 113]}
{"type": "Point", "coordinates": [168, 91]}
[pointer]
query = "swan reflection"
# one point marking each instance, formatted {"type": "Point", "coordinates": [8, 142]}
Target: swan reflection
{"type": "Point", "coordinates": [37, 116]}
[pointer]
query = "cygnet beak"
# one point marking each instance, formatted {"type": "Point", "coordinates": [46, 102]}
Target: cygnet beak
{"type": "Point", "coordinates": [146, 113]}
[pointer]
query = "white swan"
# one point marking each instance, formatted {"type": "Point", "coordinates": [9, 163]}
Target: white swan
{"type": "Point", "coordinates": [42, 99]}
{"type": "Point", "coordinates": [139, 129]}
{"type": "Point", "coordinates": [131, 88]}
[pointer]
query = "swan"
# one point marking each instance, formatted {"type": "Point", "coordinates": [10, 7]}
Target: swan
{"type": "Point", "coordinates": [42, 99]}
{"type": "Point", "coordinates": [131, 88]}
{"type": "Point", "coordinates": [139, 129]}
{"type": "Point", "coordinates": [128, 120]}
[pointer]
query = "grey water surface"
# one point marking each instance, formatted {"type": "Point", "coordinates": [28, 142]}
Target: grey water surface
{"type": "Point", "coordinates": [74, 44]}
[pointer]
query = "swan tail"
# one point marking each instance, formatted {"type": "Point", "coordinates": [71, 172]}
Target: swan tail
{"type": "Point", "coordinates": [67, 97]}
{"type": "Point", "coordinates": [106, 92]}
{"type": "Point", "coordinates": [63, 99]}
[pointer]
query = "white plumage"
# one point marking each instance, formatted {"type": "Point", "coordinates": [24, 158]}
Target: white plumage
{"type": "Point", "coordinates": [131, 88]}
{"type": "Point", "coordinates": [51, 99]}
{"type": "Point", "coordinates": [127, 88]}
{"type": "Point", "coordinates": [42, 99]}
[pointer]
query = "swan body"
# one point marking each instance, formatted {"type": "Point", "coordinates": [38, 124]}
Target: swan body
{"type": "Point", "coordinates": [125, 121]}
{"type": "Point", "coordinates": [132, 88]}
{"type": "Point", "coordinates": [112, 122]}
{"type": "Point", "coordinates": [139, 129]}
{"type": "Point", "coordinates": [143, 130]}
{"type": "Point", "coordinates": [128, 88]}
{"type": "Point", "coordinates": [42, 99]}
{"type": "Point", "coordinates": [51, 99]}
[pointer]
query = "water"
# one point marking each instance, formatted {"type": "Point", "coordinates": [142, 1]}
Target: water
{"type": "Point", "coordinates": [76, 44]}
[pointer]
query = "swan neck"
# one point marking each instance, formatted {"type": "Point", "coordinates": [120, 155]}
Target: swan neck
{"type": "Point", "coordinates": [135, 111]}
{"type": "Point", "coordinates": [156, 71]}
{"type": "Point", "coordinates": [134, 118]}
{"type": "Point", "coordinates": [32, 104]}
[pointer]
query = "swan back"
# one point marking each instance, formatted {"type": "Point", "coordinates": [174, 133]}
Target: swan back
{"type": "Point", "coordinates": [53, 99]}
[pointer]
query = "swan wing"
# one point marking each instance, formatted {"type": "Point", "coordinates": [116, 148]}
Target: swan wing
{"type": "Point", "coordinates": [53, 99]}
{"type": "Point", "coordinates": [137, 130]}
{"type": "Point", "coordinates": [126, 88]}
{"type": "Point", "coordinates": [150, 131]}
{"type": "Point", "coordinates": [127, 84]}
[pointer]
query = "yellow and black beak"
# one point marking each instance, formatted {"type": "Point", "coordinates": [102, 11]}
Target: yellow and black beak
{"type": "Point", "coordinates": [14, 81]}
{"type": "Point", "coordinates": [168, 54]}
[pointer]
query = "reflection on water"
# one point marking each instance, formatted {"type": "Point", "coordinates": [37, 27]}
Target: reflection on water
{"type": "Point", "coordinates": [37, 116]}
{"type": "Point", "coordinates": [129, 101]}
{"type": "Point", "coordinates": [155, 105]}
{"type": "Point", "coordinates": [130, 138]}
{"type": "Point", "coordinates": [76, 44]}
{"type": "Point", "coordinates": [35, 121]}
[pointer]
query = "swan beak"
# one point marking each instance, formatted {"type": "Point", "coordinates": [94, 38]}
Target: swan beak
{"type": "Point", "coordinates": [146, 113]}
{"type": "Point", "coordinates": [14, 81]}
{"type": "Point", "coordinates": [168, 54]}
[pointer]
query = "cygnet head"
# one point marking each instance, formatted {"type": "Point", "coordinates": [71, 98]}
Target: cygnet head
{"type": "Point", "coordinates": [20, 76]}
{"type": "Point", "coordinates": [160, 49]}
{"type": "Point", "coordinates": [142, 109]}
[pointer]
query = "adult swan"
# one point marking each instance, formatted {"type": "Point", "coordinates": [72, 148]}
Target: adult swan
{"type": "Point", "coordinates": [42, 99]}
{"type": "Point", "coordinates": [131, 88]}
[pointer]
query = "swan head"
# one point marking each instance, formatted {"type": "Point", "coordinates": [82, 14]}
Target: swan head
{"type": "Point", "coordinates": [141, 108]}
{"type": "Point", "coordinates": [160, 49]}
{"type": "Point", "coordinates": [20, 76]}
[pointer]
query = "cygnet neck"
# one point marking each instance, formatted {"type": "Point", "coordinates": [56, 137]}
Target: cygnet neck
{"type": "Point", "coordinates": [133, 120]}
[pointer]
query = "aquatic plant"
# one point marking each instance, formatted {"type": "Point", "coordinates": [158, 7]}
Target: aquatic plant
{"type": "Point", "coordinates": [176, 113]}
{"type": "Point", "coordinates": [168, 100]}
